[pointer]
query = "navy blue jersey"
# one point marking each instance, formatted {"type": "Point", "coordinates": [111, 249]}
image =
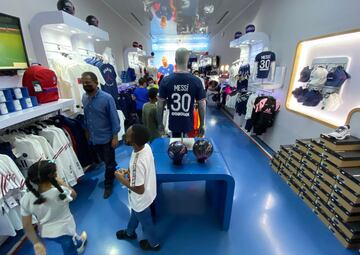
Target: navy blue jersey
{"type": "Point", "coordinates": [181, 90]}
{"type": "Point", "coordinates": [109, 75]}
{"type": "Point", "coordinates": [264, 60]}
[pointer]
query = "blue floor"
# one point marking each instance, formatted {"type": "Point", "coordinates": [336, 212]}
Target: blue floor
{"type": "Point", "coordinates": [267, 218]}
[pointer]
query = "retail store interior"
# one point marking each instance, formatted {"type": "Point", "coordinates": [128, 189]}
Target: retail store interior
{"type": "Point", "coordinates": [179, 127]}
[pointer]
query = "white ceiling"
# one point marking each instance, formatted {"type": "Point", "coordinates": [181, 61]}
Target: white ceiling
{"type": "Point", "coordinates": [125, 8]}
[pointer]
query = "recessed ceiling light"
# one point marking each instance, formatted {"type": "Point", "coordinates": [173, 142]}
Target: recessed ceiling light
{"type": "Point", "coordinates": [90, 37]}
{"type": "Point", "coordinates": [98, 40]}
{"type": "Point", "coordinates": [60, 27]}
{"type": "Point", "coordinates": [73, 31]}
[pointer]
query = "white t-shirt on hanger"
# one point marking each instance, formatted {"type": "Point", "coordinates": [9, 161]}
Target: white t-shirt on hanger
{"type": "Point", "coordinates": [60, 155]}
{"type": "Point", "coordinates": [78, 170]}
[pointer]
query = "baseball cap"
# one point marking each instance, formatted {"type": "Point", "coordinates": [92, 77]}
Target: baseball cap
{"type": "Point", "coordinates": [301, 95]}
{"type": "Point", "coordinates": [336, 77]}
{"type": "Point", "coordinates": [92, 20]}
{"type": "Point", "coordinates": [135, 44]}
{"type": "Point", "coordinates": [297, 92]}
{"type": "Point", "coordinates": [305, 74]}
{"type": "Point", "coordinates": [332, 102]}
{"type": "Point", "coordinates": [66, 6]}
{"type": "Point", "coordinates": [318, 76]}
{"type": "Point", "coordinates": [312, 98]}
{"type": "Point", "coordinates": [237, 35]}
{"type": "Point", "coordinates": [250, 28]}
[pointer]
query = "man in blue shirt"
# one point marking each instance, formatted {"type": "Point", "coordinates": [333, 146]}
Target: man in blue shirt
{"type": "Point", "coordinates": [103, 124]}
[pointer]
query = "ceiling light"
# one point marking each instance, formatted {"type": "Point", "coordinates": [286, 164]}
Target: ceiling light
{"type": "Point", "coordinates": [73, 31]}
{"type": "Point", "coordinates": [98, 40]}
{"type": "Point", "coordinates": [90, 37]}
{"type": "Point", "coordinates": [60, 27]}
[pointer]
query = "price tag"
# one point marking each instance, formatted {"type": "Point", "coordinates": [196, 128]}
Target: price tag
{"type": "Point", "coordinates": [2, 96]}
{"type": "Point", "coordinates": [11, 202]}
{"type": "Point", "coordinates": [3, 109]}
{"type": "Point", "coordinates": [18, 93]}
{"type": "Point", "coordinates": [37, 86]}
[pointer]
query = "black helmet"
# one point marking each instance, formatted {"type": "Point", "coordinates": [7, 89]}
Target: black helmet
{"type": "Point", "coordinates": [203, 150]}
{"type": "Point", "coordinates": [92, 20]}
{"type": "Point", "coordinates": [177, 151]}
{"type": "Point", "coordinates": [66, 6]}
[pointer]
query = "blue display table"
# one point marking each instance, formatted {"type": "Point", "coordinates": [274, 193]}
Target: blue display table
{"type": "Point", "coordinates": [220, 184]}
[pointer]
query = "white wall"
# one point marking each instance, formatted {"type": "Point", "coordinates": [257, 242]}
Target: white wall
{"type": "Point", "coordinates": [121, 34]}
{"type": "Point", "coordinates": [287, 22]}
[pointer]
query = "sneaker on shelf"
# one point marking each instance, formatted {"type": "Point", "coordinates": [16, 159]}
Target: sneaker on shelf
{"type": "Point", "coordinates": [340, 133]}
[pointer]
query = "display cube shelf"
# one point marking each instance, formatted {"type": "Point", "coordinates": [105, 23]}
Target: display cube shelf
{"type": "Point", "coordinates": [31, 113]}
{"type": "Point", "coordinates": [251, 39]}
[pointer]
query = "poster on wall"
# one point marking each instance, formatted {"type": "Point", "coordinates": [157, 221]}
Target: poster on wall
{"type": "Point", "coordinates": [166, 46]}
{"type": "Point", "coordinates": [324, 81]}
{"type": "Point", "coordinates": [171, 17]}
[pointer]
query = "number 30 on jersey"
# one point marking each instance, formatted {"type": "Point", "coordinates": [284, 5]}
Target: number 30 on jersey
{"type": "Point", "coordinates": [180, 102]}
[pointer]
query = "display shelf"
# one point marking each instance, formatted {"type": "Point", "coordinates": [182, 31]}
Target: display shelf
{"type": "Point", "coordinates": [31, 113]}
{"type": "Point", "coordinates": [132, 57]}
{"type": "Point", "coordinates": [328, 51]}
{"type": "Point", "coordinates": [63, 25]}
{"type": "Point", "coordinates": [251, 39]}
{"type": "Point", "coordinates": [277, 83]}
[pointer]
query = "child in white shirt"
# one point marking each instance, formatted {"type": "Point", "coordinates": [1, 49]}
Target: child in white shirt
{"type": "Point", "coordinates": [48, 201]}
{"type": "Point", "coordinates": [140, 179]}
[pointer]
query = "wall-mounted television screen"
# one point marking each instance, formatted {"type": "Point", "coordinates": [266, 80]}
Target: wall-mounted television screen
{"type": "Point", "coordinates": [13, 54]}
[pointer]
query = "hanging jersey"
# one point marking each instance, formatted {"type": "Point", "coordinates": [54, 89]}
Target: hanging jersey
{"type": "Point", "coordinates": [28, 153]}
{"type": "Point", "coordinates": [61, 154]}
{"type": "Point", "coordinates": [10, 176]}
{"type": "Point", "coordinates": [77, 168]}
{"type": "Point", "coordinates": [181, 90]}
{"type": "Point", "coordinates": [108, 73]}
{"type": "Point", "coordinates": [264, 60]}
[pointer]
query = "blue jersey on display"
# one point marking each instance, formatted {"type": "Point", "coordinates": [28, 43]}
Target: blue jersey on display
{"type": "Point", "coordinates": [181, 90]}
{"type": "Point", "coordinates": [109, 75]}
{"type": "Point", "coordinates": [166, 70]}
{"type": "Point", "coordinates": [264, 60]}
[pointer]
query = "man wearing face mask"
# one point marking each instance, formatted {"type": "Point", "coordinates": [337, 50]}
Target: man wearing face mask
{"type": "Point", "coordinates": [103, 124]}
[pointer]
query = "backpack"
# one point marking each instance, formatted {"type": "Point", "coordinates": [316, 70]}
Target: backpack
{"type": "Point", "coordinates": [41, 82]}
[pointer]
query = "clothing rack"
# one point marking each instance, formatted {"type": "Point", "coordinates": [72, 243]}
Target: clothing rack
{"type": "Point", "coordinates": [31, 121]}
{"type": "Point", "coordinates": [88, 51]}
{"type": "Point", "coordinates": [59, 46]}
{"type": "Point", "coordinates": [62, 52]}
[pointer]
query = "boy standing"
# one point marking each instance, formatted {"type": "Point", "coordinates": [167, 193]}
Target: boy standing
{"type": "Point", "coordinates": [141, 96]}
{"type": "Point", "coordinates": [149, 115]}
{"type": "Point", "coordinates": [140, 179]}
